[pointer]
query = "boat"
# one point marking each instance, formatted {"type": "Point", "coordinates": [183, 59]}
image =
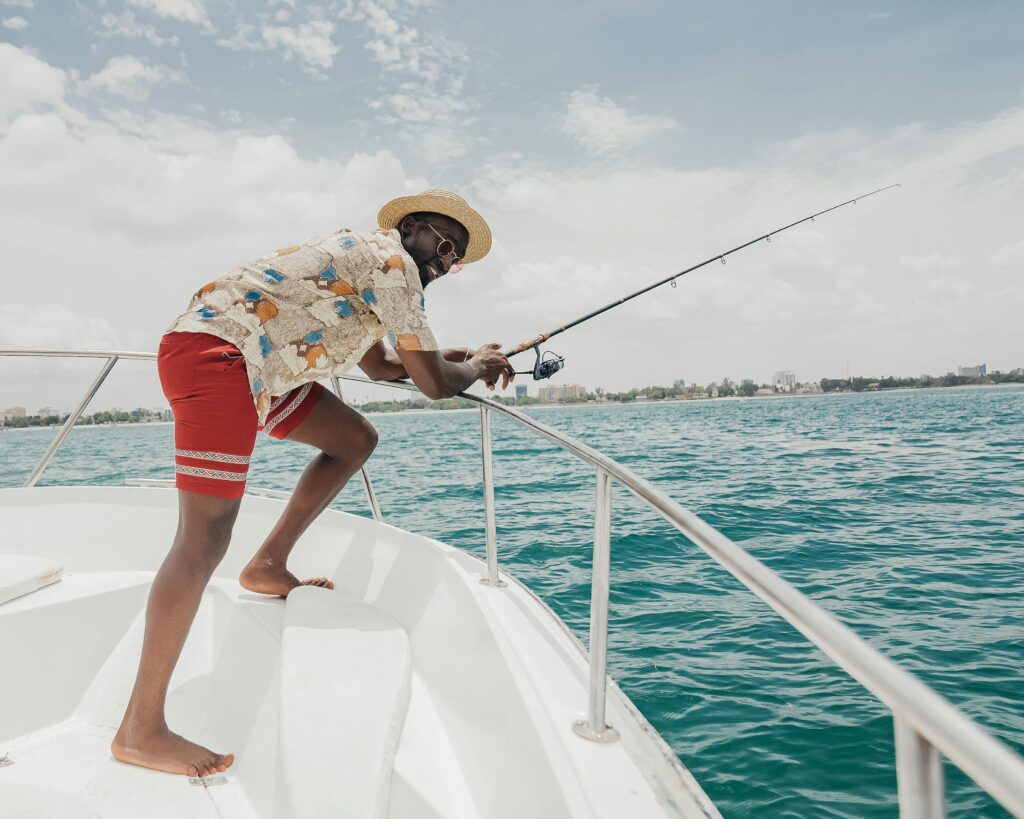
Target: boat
{"type": "Point", "coordinates": [429, 684]}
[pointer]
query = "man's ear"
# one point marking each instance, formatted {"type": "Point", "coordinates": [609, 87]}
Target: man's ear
{"type": "Point", "coordinates": [407, 225]}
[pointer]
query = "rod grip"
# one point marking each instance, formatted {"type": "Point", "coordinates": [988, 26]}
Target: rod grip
{"type": "Point", "coordinates": [528, 345]}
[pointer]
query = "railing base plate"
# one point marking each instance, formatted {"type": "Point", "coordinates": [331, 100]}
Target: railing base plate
{"type": "Point", "coordinates": [582, 728]}
{"type": "Point", "coordinates": [494, 584]}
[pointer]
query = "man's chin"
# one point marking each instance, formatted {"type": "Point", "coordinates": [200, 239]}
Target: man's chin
{"type": "Point", "coordinates": [428, 274]}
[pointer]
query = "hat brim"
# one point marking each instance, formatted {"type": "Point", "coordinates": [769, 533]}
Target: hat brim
{"type": "Point", "coordinates": [451, 206]}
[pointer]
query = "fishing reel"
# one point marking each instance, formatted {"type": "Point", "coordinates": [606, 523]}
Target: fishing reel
{"type": "Point", "coordinates": [547, 365]}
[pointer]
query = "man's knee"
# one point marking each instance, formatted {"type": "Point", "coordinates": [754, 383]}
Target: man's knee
{"type": "Point", "coordinates": [357, 444]}
{"type": "Point", "coordinates": [207, 523]}
{"type": "Point", "coordinates": [367, 440]}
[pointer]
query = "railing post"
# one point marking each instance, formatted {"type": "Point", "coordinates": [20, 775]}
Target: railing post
{"type": "Point", "coordinates": [594, 726]}
{"type": "Point", "coordinates": [371, 497]}
{"type": "Point", "coordinates": [918, 774]}
{"type": "Point", "coordinates": [72, 420]}
{"type": "Point", "coordinates": [492, 578]}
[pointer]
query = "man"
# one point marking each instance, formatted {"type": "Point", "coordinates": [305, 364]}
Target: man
{"type": "Point", "coordinates": [247, 355]}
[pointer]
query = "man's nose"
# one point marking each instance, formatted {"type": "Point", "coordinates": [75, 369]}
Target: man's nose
{"type": "Point", "coordinates": [446, 264]}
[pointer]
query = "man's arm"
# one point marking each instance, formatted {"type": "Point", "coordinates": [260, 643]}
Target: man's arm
{"type": "Point", "coordinates": [437, 377]}
{"type": "Point", "coordinates": [383, 364]}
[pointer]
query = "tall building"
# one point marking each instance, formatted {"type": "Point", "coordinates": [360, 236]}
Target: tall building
{"type": "Point", "coordinates": [520, 391]}
{"type": "Point", "coordinates": [561, 392]}
{"type": "Point", "coordinates": [784, 381]}
{"type": "Point", "coordinates": [977, 371]}
{"type": "Point", "coordinates": [13, 412]}
{"type": "Point", "coordinates": [680, 383]}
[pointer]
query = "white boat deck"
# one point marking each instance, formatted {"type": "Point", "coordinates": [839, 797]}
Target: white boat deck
{"type": "Point", "coordinates": [484, 723]}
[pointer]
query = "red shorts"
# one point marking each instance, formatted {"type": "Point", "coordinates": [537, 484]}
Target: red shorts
{"type": "Point", "coordinates": [215, 424]}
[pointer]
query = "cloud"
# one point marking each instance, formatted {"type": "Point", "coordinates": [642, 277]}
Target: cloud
{"type": "Point", "coordinates": [131, 78]}
{"type": "Point", "coordinates": [928, 262]}
{"type": "Point", "coordinates": [26, 82]}
{"type": "Point", "coordinates": [1011, 254]}
{"type": "Point", "coordinates": [15, 23]}
{"type": "Point", "coordinates": [310, 43]}
{"type": "Point", "coordinates": [428, 96]}
{"type": "Point", "coordinates": [901, 282]}
{"type": "Point", "coordinates": [600, 126]}
{"type": "Point", "coordinates": [126, 25]}
{"type": "Point", "coordinates": [245, 38]}
{"type": "Point", "coordinates": [185, 11]}
{"type": "Point", "coordinates": [52, 325]}
{"type": "Point", "coordinates": [124, 215]}
{"type": "Point", "coordinates": [879, 15]}
{"type": "Point", "coordinates": [21, 4]}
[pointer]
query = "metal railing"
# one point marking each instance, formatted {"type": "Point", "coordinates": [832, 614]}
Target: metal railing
{"type": "Point", "coordinates": [112, 358]}
{"type": "Point", "coordinates": [926, 725]}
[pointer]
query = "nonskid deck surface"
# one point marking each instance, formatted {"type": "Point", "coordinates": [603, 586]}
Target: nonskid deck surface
{"type": "Point", "coordinates": [66, 770]}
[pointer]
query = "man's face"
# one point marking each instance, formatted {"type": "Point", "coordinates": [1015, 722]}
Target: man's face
{"type": "Point", "coordinates": [421, 243]}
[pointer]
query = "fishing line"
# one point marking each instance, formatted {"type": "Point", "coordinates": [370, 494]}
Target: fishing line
{"type": "Point", "coordinates": [550, 363]}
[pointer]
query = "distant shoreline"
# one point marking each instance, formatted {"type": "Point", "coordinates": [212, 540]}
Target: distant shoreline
{"type": "Point", "coordinates": [574, 405]}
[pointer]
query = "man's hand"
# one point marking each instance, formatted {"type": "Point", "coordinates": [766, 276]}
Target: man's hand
{"type": "Point", "coordinates": [493, 363]}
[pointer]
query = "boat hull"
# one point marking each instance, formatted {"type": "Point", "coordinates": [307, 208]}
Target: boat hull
{"type": "Point", "coordinates": [495, 678]}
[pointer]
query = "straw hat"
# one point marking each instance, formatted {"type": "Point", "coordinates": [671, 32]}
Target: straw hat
{"type": "Point", "coordinates": [446, 203]}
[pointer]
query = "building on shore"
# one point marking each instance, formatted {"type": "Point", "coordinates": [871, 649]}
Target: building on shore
{"type": "Point", "coordinates": [520, 391]}
{"type": "Point", "coordinates": [561, 392]}
{"type": "Point", "coordinates": [977, 371]}
{"type": "Point", "coordinates": [13, 412]}
{"type": "Point", "coordinates": [679, 383]}
{"type": "Point", "coordinates": [784, 381]}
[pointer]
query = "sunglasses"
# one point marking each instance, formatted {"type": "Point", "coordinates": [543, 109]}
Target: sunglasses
{"type": "Point", "coordinates": [446, 249]}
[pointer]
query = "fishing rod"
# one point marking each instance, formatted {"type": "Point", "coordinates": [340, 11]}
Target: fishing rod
{"type": "Point", "coordinates": [549, 363]}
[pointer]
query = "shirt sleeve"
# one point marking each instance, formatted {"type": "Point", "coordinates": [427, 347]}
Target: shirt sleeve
{"type": "Point", "coordinates": [394, 293]}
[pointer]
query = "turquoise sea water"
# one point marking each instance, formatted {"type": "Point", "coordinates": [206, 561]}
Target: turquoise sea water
{"type": "Point", "coordinates": [902, 513]}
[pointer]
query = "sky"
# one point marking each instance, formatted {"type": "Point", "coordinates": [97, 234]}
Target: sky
{"type": "Point", "coordinates": [147, 146]}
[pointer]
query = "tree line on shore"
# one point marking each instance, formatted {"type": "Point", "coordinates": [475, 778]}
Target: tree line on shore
{"type": "Point", "coordinates": [103, 417]}
{"type": "Point", "coordinates": [654, 393]}
{"type": "Point", "coordinates": [745, 389]}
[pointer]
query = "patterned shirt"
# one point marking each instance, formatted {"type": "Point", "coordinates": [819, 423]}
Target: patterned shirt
{"type": "Point", "coordinates": [312, 310]}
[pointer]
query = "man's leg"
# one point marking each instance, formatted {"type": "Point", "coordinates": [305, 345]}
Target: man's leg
{"type": "Point", "coordinates": [204, 531]}
{"type": "Point", "coordinates": [345, 440]}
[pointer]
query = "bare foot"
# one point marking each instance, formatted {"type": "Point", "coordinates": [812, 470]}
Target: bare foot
{"type": "Point", "coordinates": [265, 577]}
{"type": "Point", "coordinates": [164, 750]}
